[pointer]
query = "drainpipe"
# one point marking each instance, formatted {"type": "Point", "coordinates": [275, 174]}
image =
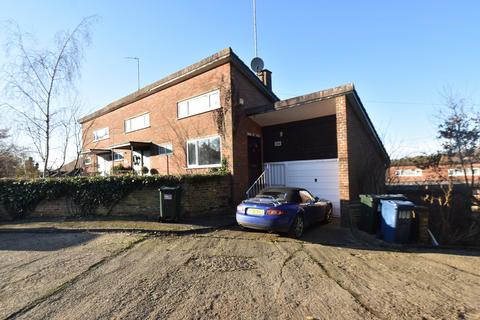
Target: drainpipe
{"type": "Point", "coordinates": [131, 158]}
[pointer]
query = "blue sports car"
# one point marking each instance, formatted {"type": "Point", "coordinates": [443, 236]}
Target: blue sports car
{"type": "Point", "coordinates": [284, 210]}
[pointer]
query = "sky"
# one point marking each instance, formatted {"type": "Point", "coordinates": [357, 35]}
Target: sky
{"type": "Point", "coordinates": [400, 55]}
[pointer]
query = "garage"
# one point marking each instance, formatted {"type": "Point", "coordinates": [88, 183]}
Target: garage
{"type": "Point", "coordinates": [320, 177]}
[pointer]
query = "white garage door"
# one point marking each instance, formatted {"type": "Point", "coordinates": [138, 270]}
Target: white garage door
{"type": "Point", "coordinates": [320, 177]}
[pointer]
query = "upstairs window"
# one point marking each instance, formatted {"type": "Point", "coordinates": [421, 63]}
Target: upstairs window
{"type": "Point", "coordinates": [205, 102]}
{"type": "Point", "coordinates": [409, 173]}
{"type": "Point", "coordinates": [87, 161]}
{"type": "Point", "coordinates": [137, 123]}
{"type": "Point", "coordinates": [204, 153]}
{"type": "Point", "coordinates": [100, 134]}
{"type": "Point", "coordinates": [459, 172]}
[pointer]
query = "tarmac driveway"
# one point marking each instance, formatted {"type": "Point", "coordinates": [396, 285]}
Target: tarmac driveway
{"type": "Point", "coordinates": [231, 274]}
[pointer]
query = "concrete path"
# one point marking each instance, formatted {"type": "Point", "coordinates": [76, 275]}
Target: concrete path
{"type": "Point", "coordinates": [231, 274]}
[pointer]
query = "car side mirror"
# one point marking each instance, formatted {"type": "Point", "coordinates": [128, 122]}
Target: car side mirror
{"type": "Point", "coordinates": [316, 199]}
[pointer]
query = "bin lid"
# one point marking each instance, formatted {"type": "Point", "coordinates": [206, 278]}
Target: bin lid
{"type": "Point", "coordinates": [167, 188]}
{"type": "Point", "coordinates": [399, 203]}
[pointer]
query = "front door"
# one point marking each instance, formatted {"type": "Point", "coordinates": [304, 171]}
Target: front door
{"type": "Point", "coordinates": [103, 164]}
{"type": "Point", "coordinates": [254, 158]}
{"type": "Point", "coordinates": [141, 159]}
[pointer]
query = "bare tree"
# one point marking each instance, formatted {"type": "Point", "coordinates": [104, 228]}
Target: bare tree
{"type": "Point", "coordinates": [39, 82]}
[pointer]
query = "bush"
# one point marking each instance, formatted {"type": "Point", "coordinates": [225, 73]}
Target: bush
{"type": "Point", "coordinates": [20, 196]}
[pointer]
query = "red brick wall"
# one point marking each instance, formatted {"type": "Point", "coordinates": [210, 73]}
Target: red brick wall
{"type": "Point", "coordinates": [164, 125]}
{"type": "Point", "coordinates": [367, 166]}
{"type": "Point", "coordinates": [342, 147]}
{"type": "Point", "coordinates": [242, 88]}
{"type": "Point", "coordinates": [361, 165]}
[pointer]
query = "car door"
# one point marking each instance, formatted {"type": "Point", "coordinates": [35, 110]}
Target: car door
{"type": "Point", "coordinates": [307, 203]}
{"type": "Point", "coordinates": [316, 209]}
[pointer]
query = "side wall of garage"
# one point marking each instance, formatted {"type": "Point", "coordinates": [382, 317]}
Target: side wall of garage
{"type": "Point", "coordinates": [367, 164]}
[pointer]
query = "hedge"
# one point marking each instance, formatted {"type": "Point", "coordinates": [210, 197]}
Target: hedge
{"type": "Point", "coordinates": [20, 196]}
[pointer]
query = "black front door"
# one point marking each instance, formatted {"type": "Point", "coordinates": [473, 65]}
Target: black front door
{"type": "Point", "coordinates": [254, 158]}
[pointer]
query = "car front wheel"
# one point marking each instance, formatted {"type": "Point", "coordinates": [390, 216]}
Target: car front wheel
{"type": "Point", "coordinates": [296, 230]}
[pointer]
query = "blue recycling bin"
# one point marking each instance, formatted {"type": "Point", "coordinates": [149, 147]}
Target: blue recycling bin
{"type": "Point", "coordinates": [397, 217]}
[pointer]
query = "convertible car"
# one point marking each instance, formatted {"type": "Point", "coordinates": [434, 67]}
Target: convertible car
{"type": "Point", "coordinates": [283, 210]}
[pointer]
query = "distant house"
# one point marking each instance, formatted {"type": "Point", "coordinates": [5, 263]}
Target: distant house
{"type": "Point", "coordinates": [217, 112]}
{"type": "Point", "coordinates": [410, 172]}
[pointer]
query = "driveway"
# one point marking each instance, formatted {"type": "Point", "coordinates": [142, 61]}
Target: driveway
{"type": "Point", "coordinates": [231, 274]}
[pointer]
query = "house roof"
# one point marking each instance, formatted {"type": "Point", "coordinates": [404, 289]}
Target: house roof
{"type": "Point", "coordinates": [224, 56]}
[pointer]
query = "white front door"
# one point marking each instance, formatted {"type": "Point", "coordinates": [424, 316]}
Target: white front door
{"type": "Point", "coordinates": [141, 158]}
{"type": "Point", "coordinates": [103, 165]}
{"type": "Point", "coordinates": [320, 177]}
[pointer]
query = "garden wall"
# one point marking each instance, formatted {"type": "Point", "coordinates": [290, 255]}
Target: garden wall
{"type": "Point", "coordinates": [199, 197]}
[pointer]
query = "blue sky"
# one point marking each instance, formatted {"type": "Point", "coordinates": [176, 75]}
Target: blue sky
{"type": "Point", "coordinates": [400, 55]}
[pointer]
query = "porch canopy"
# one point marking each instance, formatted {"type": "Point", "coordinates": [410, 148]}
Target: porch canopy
{"type": "Point", "coordinates": [310, 106]}
{"type": "Point", "coordinates": [96, 151]}
{"type": "Point", "coordinates": [130, 145]}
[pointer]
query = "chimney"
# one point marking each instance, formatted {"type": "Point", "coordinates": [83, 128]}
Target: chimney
{"type": "Point", "coordinates": [266, 77]}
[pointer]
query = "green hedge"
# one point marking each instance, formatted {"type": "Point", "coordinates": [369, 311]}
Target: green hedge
{"type": "Point", "coordinates": [20, 197]}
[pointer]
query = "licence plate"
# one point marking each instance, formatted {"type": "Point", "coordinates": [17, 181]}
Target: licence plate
{"type": "Point", "coordinates": [254, 211]}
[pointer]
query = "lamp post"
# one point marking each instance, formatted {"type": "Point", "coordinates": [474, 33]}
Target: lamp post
{"type": "Point", "coordinates": [138, 69]}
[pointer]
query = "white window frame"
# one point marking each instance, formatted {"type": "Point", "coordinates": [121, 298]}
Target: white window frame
{"type": "Point", "coordinates": [208, 108]}
{"type": "Point", "coordinates": [145, 125]}
{"type": "Point", "coordinates": [120, 154]}
{"type": "Point", "coordinates": [87, 161]}
{"type": "Point", "coordinates": [458, 172]}
{"type": "Point", "coordinates": [166, 145]}
{"type": "Point", "coordinates": [197, 166]}
{"type": "Point", "coordinates": [409, 172]}
{"type": "Point", "coordinates": [106, 136]}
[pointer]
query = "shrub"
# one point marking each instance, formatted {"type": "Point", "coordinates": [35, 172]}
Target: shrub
{"type": "Point", "coordinates": [21, 196]}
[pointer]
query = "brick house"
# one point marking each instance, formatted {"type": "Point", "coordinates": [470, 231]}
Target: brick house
{"type": "Point", "coordinates": [218, 112]}
{"type": "Point", "coordinates": [409, 173]}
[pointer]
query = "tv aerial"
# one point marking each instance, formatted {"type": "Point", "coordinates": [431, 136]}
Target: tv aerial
{"type": "Point", "coordinates": [257, 63]}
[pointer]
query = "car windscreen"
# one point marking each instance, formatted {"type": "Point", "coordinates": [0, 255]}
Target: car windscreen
{"type": "Point", "coordinates": [277, 195]}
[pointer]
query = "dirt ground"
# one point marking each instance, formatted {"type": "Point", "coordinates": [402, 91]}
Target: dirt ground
{"type": "Point", "coordinates": [231, 274]}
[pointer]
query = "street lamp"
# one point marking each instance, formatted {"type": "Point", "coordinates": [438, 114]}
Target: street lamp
{"type": "Point", "coordinates": [138, 69]}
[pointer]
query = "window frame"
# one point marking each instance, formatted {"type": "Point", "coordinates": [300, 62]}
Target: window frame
{"type": "Point", "coordinates": [102, 138]}
{"type": "Point", "coordinates": [135, 117]}
{"type": "Point", "coordinates": [196, 140]}
{"type": "Point", "coordinates": [452, 172]}
{"type": "Point", "coordinates": [400, 173]}
{"type": "Point", "coordinates": [209, 94]}
{"type": "Point", "coordinates": [118, 153]}
{"type": "Point", "coordinates": [162, 145]}
{"type": "Point", "coordinates": [89, 162]}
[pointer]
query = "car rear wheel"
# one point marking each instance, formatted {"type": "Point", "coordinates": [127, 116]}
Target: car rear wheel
{"type": "Point", "coordinates": [296, 230]}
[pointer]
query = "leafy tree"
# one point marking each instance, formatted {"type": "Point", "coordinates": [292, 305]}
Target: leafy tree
{"type": "Point", "coordinates": [10, 156]}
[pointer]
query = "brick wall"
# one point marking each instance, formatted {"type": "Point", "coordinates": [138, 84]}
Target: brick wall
{"type": "Point", "coordinates": [367, 166]}
{"type": "Point", "coordinates": [252, 97]}
{"type": "Point", "coordinates": [361, 164]}
{"type": "Point", "coordinates": [164, 125]}
{"type": "Point", "coordinates": [343, 163]}
{"type": "Point", "coordinates": [198, 199]}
